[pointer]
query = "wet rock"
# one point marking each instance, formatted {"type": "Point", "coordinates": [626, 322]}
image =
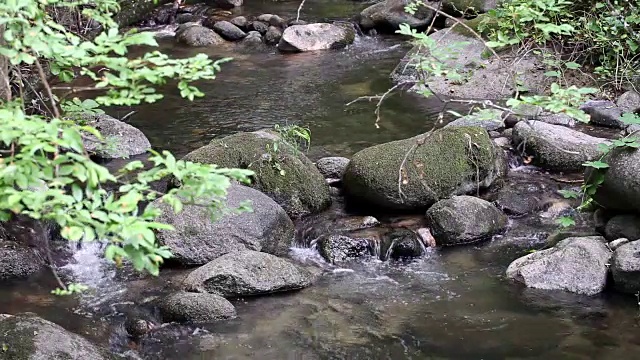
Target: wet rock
{"type": "Point", "coordinates": [311, 37]}
{"type": "Point", "coordinates": [463, 220]}
{"type": "Point", "coordinates": [294, 183]}
{"type": "Point", "coordinates": [577, 264]}
{"type": "Point", "coordinates": [617, 243]}
{"type": "Point", "coordinates": [387, 16]}
{"type": "Point", "coordinates": [253, 39]}
{"type": "Point", "coordinates": [332, 167]}
{"type": "Point", "coordinates": [404, 244]}
{"type": "Point", "coordinates": [625, 267]}
{"type": "Point", "coordinates": [247, 273]}
{"type": "Point", "coordinates": [520, 198]}
{"type": "Point", "coordinates": [259, 26]}
{"type": "Point", "coordinates": [120, 140]}
{"type": "Point", "coordinates": [503, 142]}
{"type": "Point", "coordinates": [623, 226]}
{"type": "Point", "coordinates": [198, 240]}
{"type": "Point", "coordinates": [604, 113]}
{"type": "Point", "coordinates": [557, 119]}
{"type": "Point", "coordinates": [555, 147]}
{"type": "Point", "coordinates": [229, 31]}
{"type": "Point", "coordinates": [228, 4]}
{"type": "Point", "coordinates": [185, 18]}
{"type": "Point", "coordinates": [138, 327]}
{"type": "Point", "coordinates": [494, 123]}
{"type": "Point", "coordinates": [629, 101]}
{"type": "Point", "coordinates": [468, 6]}
{"type": "Point", "coordinates": [18, 261]}
{"type": "Point", "coordinates": [278, 22]}
{"type": "Point", "coordinates": [339, 248]}
{"type": "Point", "coordinates": [555, 208]}
{"type": "Point", "coordinates": [620, 190]}
{"type": "Point", "coordinates": [482, 77]}
{"type": "Point", "coordinates": [241, 22]}
{"type": "Point", "coordinates": [27, 336]}
{"type": "Point", "coordinates": [273, 35]}
{"type": "Point", "coordinates": [196, 307]}
{"type": "Point", "coordinates": [437, 166]}
{"type": "Point", "coordinates": [265, 18]}
{"type": "Point", "coordinates": [196, 35]}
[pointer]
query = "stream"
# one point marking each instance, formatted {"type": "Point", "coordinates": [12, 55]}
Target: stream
{"type": "Point", "coordinates": [452, 303]}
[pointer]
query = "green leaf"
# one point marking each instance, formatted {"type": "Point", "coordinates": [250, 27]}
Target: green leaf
{"type": "Point", "coordinates": [569, 194]}
{"type": "Point", "coordinates": [596, 164]}
{"type": "Point", "coordinates": [565, 221]}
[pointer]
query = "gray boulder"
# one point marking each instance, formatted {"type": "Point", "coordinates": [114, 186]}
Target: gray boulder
{"type": "Point", "coordinates": [229, 31]}
{"type": "Point", "coordinates": [311, 37]}
{"type": "Point", "coordinates": [195, 307]}
{"type": "Point", "coordinates": [278, 22]}
{"type": "Point", "coordinates": [557, 119]}
{"type": "Point", "coordinates": [265, 18]}
{"type": "Point", "coordinates": [259, 26]}
{"type": "Point", "coordinates": [18, 261]}
{"type": "Point", "coordinates": [27, 336]}
{"type": "Point", "coordinates": [464, 220]}
{"type": "Point", "coordinates": [555, 147]}
{"type": "Point", "coordinates": [273, 35]}
{"type": "Point", "coordinates": [120, 140]}
{"type": "Point", "coordinates": [332, 167]}
{"type": "Point", "coordinates": [198, 240]}
{"type": "Point", "coordinates": [620, 190]}
{"type": "Point", "coordinates": [247, 273]}
{"type": "Point", "coordinates": [340, 248]}
{"type": "Point", "coordinates": [253, 39]}
{"type": "Point", "coordinates": [604, 113]}
{"type": "Point", "coordinates": [285, 175]}
{"type": "Point", "coordinates": [491, 121]}
{"type": "Point", "coordinates": [458, 7]}
{"type": "Point", "coordinates": [625, 267]}
{"type": "Point", "coordinates": [387, 15]}
{"type": "Point", "coordinates": [228, 4]}
{"type": "Point", "coordinates": [196, 35]}
{"type": "Point", "coordinates": [629, 101]}
{"type": "Point", "coordinates": [435, 166]}
{"type": "Point", "coordinates": [241, 22]}
{"type": "Point", "coordinates": [577, 264]}
{"type": "Point", "coordinates": [623, 226]}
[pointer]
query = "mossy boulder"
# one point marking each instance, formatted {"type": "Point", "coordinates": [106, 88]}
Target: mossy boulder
{"type": "Point", "coordinates": [286, 175]}
{"type": "Point", "coordinates": [449, 161]}
{"type": "Point", "coordinates": [27, 336]}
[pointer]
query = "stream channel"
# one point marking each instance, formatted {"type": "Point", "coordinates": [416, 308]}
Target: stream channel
{"type": "Point", "coordinates": [450, 304]}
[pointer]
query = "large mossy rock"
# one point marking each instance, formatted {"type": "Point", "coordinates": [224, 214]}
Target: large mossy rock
{"type": "Point", "coordinates": [555, 147]}
{"type": "Point", "coordinates": [286, 175]}
{"type": "Point", "coordinates": [577, 264]}
{"type": "Point", "coordinates": [450, 161]}
{"type": "Point", "coordinates": [464, 220]}
{"type": "Point", "coordinates": [387, 15]}
{"type": "Point", "coordinates": [28, 337]}
{"type": "Point", "coordinates": [247, 273]}
{"type": "Point", "coordinates": [197, 239]}
{"type": "Point", "coordinates": [620, 190]}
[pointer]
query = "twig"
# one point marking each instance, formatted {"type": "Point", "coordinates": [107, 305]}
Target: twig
{"type": "Point", "coordinates": [47, 88]}
{"type": "Point", "coordinates": [380, 99]}
{"type": "Point", "coordinates": [51, 265]}
{"type": "Point", "coordinates": [128, 115]}
{"type": "Point", "coordinates": [299, 8]}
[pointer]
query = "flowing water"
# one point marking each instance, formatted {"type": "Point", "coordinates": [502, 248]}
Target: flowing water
{"type": "Point", "coordinates": [450, 304]}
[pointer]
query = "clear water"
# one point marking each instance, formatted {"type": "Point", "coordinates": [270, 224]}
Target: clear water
{"type": "Point", "coordinates": [451, 304]}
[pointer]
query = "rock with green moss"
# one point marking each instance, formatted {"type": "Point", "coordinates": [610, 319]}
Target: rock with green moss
{"type": "Point", "coordinates": [415, 173]}
{"type": "Point", "coordinates": [28, 337]}
{"type": "Point", "coordinates": [282, 172]}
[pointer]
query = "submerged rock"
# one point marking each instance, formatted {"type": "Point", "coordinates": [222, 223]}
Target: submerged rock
{"type": "Point", "coordinates": [196, 307]}
{"type": "Point", "coordinates": [403, 244]}
{"type": "Point", "coordinates": [197, 239]}
{"type": "Point", "coordinates": [286, 174]}
{"type": "Point", "coordinates": [623, 226]}
{"type": "Point", "coordinates": [311, 37]}
{"type": "Point", "coordinates": [577, 264]}
{"type": "Point", "coordinates": [449, 161]}
{"type": "Point", "coordinates": [196, 35]}
{"type": "Point", "coordinates": [332, 167]}
{"type": "Point", "coordinates": [555, 147]}
{"type": "Point", "coordinates": [620, 190]}
{"type": "Point", "coordinates": [625, 267]}
{"type": "Point", "coordinates": [464, 220]}
{"type": "Point", "coordinates": [120, 140]}
{"type": "Point", "coordinates": [387, 16]}
{"type": "Point", "coordinates": [229, 31]}
{"type": "Point", "coordinates": [27, 336]}
{"type": "Point", "coordinates": [340, 248]}
{"type": "Point", "coordinates": [247, 273]}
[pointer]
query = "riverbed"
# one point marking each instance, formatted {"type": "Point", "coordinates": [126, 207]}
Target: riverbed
{"type": "Point", "coordinates": [450, 304]}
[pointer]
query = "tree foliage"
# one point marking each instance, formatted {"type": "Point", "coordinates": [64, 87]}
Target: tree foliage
{"type": "Point", "coordinates": [45, 171]}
